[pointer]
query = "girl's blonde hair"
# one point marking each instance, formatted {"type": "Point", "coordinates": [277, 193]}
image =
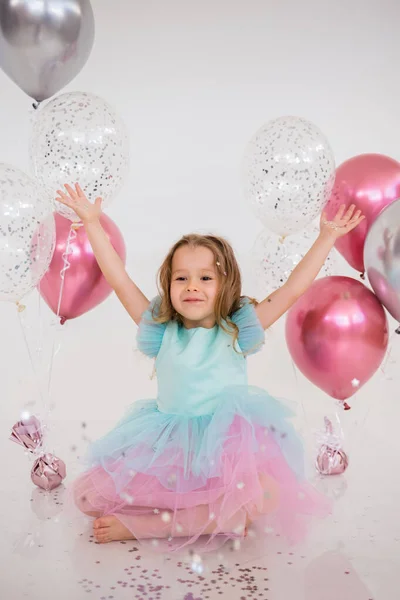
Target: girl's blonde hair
{"type": "Point", "coordinates": [228, 299]}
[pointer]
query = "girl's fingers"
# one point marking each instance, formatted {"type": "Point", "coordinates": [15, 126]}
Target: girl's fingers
{"type": "Point", "coordinates": [353, 224]}
{"type": "Point", "coordinates": [72, 193]}
{"type": "Point", "coordinates": [79, 190]}
{"type": "Point", "coordinates": [355, 218]}
{"type": "Point", "coordinates": [63, 197]}
{"type": "Point", "coordinates": [62, 201]}
{"type": "Point", "coordinates": [349, 212]}
{"type": "Point", "coordinates": [340, 212]}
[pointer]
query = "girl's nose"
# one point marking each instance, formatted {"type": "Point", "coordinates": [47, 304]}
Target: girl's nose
{"type": "Point", "coordinates": [191, 286]}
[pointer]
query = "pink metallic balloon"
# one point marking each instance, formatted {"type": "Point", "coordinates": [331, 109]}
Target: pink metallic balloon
{"type": "Point", "coordinates": [337, 334]}
{"type": "Point", "coordinates": [371, 182]}
{"type": "Point", "coordinates": [84, 284]}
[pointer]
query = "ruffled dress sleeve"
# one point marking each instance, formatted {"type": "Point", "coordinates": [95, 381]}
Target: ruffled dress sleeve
{"type": "Point", "coordinates": [251, 333]}
{"type": "Point", "coordinates": [150, 333]}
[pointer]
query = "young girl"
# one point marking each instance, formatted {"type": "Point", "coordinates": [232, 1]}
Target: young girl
{"type": "Point", "coordinates": [211, 454]}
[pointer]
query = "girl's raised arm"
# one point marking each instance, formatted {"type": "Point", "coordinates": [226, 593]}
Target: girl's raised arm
{"type": "Point", "coordinates": [279, 302]}
{"type": "Point", "coordinates": [111, 265]}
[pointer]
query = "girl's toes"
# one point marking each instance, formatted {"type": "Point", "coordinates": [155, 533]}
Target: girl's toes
{"type": "Point", "coordinates": [100, 522]}
{"type": "Point", "coordinates": [103, 538]}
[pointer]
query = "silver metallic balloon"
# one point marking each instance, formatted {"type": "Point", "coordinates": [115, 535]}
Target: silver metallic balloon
{"type": "Point", "coordinates": [44, 43]}
{"type": "Point", "coordinates": [382, 258]}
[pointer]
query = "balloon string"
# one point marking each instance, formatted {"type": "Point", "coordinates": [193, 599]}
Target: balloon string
{"type": "Point", "coordinates": [307, 424]}
{"type": "Point", "coordinates": [338, 421]}
{"type": "Point", "coordinates": [68, 250]}
{"type": "Point", "coordinates": [32, 363]}
{"type": "Point", "coordinates": [330, 437]}
{"type": "Point", "coordinates": [389, 352]}
{"type": "Point", "coordinates": [361, 427]}
{"type": "Point", "coordinates": [66, 265]}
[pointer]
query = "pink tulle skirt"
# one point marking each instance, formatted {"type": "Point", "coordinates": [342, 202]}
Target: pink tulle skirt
{"type": "Point", "coordinates": [176, 480]}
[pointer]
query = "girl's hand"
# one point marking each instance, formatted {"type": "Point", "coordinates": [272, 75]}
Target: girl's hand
{"type": "Point", "coordinates": [343, 222]}
{"type": "Point", "coordinates": [76, 199]}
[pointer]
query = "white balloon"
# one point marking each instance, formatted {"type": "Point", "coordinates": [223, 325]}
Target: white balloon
{"type": "Point", "coordinates": [78, 137]}
{"type": "Point", "coordinates": [289, 172]}
{"type": "Point", "coordinates": [274, 258]}
{"type": "Point", "coordinates": [27, 233]}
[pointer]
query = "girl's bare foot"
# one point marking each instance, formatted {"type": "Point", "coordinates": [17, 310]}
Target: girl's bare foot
{"type": "Point", "coordinates": [110, 529]}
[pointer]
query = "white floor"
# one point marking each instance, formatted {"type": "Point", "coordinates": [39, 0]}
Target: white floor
{"type": "Point", "coordinates": [354, 555]}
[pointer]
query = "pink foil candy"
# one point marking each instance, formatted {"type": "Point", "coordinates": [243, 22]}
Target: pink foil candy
{"type": "Point", "coordinates": [331, 459]}
{"type": "Point", "coordinates": [28, 433]}
{"type": "Point", "coordinates": [48, 471]}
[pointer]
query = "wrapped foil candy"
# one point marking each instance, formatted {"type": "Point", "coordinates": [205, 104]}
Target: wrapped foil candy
{"type": "Point", "coordinates": [28, 433]}
{"type": "Point", "coordinates": [48, 471]}
{"type": "Point", "coordinates": [331, 458]}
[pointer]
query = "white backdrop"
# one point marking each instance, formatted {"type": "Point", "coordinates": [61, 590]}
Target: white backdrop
{"type": "Point", "coordinates": [193, 82]}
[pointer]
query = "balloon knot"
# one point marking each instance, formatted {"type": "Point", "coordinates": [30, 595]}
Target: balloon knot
{"type": "Point", "coordinates": [346, 406]}
{"type": "Point", "coordinates": [398, 330]}
{"type": "Point", "coordinates": [362, 276]}
{"type": "Point", "coordinates": [36, 105]}
{"type": "Point", "coordinates": [62, 320]}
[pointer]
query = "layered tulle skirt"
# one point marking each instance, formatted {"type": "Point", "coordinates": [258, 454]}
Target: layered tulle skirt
{"type": "Point", "coordinates": [176, 479]}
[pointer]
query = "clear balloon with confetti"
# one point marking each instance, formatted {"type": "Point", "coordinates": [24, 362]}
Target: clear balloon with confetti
{"type": "Point", "coordinates": [78, 137]}
{"type": "Point", "coordinates": [274, 258]}
{"type": "Point", "coordinates": [288, 171]}
{"type": "Point", "coordinates": [27, 233]}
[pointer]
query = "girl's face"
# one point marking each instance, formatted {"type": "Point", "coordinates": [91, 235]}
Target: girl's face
{"type": "Point", "coordinates": [194, 285]}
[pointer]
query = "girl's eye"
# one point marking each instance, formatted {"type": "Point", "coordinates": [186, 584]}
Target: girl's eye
{"type": "Point", "coordinates": [207, 278]}
{"type": "Point", "coordinates": [180, 278]}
